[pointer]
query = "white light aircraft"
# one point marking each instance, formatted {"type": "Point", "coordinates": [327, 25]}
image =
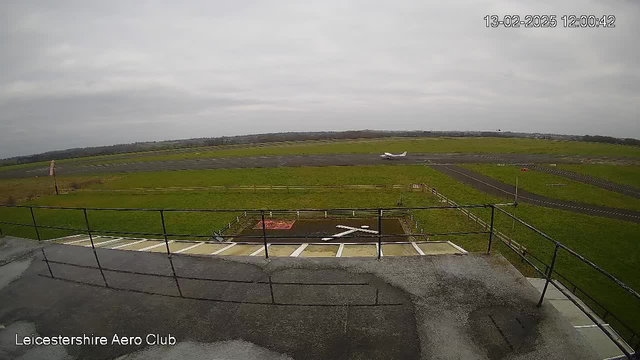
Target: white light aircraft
{"type": "Point", "coordinates": [391, 156]}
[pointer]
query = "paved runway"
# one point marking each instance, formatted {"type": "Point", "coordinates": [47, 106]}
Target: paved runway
{"type": "Point", "coordinates": [291, 161]}
{"type": "Point", "coordinates": [492, 186]}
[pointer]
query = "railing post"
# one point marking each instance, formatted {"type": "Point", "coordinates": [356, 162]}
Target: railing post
{"type": "Point", "coordinates": [550, 273]}
{"type": "Point", "coordinates": [264, 235]}
{"type": "Point", "coordinates": [166, 243]}
{"type": "Point", "coordinates": [35, 225]}
{"type": "Point", "coordinates": [164, 231]}
{"type": "Point", "coordinates": [493, 210]}
{"type": "Point", "coordinates": [86, 220]}
{"type": "Point", "coordinates": [379, 233]}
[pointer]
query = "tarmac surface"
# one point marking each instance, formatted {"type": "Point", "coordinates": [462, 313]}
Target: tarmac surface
{"type": "Point", "coordinates": [495, 187]}
{"type": "Point", "coordinates": [298, 160]}
{"type": "Point", "coordinates": [426, 307]}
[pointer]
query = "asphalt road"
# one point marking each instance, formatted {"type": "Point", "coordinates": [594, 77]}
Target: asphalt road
{"type": "Point", "coordinates": [292, 161]}
{"type": "Point", "coordinates": [492, 186]}
{"type": "Point", "coordinates": [421, 307]}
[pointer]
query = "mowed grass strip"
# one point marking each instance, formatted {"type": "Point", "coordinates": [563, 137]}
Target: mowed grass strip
{"type": "Point", "coordinates": [621, 174]}
{"type": "Point", "coordinates": [547, 185]}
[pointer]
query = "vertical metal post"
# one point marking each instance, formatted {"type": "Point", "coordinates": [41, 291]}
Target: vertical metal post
{"type": "Point", "coordinates": [35, 225]}
{"type": "Point", "coordinates": [379, 233]}
{"type": "Point", "coordinates": [264, 236]}
{"type": "Point", "coordinates": [47, 261]}
{"type": "Point", "coordinates": [273, 300]}
{"type": "Point", "coordinates": [493, 210]}
{"type": "Point", "coordinates": [549, 274]}
{"type": "Point", "coordinates": [166, 242]}
{"type": "Point", "coordinates": [164, 231]}
{"type": "Point", "coordinates": [86, 220]}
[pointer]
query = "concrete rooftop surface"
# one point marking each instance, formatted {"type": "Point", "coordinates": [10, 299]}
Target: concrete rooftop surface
{"type": "Point", "coordinates": [417, 307]}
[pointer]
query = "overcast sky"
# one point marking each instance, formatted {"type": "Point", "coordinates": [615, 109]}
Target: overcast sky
{"type": "Point", "coordinates": [88, 73]}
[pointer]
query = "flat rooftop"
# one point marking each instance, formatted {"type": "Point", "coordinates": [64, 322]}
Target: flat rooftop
{"type": "Point", "coordinates": [241, 307]}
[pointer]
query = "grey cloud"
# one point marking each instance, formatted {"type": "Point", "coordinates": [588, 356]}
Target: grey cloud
{"type": "Point", "coordinates": [77, 73]}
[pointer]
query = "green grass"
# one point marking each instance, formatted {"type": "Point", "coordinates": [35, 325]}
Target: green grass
{"type": "Point", "coordinates": [366, 146]}
{"type": "Point", "coordinates": [420, 145]}
{"type": "Point", "coordinates": [331, 175]}
{"type": "Point", "coordinates": [610, 243]}
{"type": "Point", "coordinates": [626, 175]}
{"type": "Point", "coordinates": [536, 182]}
{"type": "Point", "coordinates": [28, 188]}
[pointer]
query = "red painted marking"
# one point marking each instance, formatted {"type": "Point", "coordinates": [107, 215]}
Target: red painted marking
{"type": "Point", "coordinates": [524, 169]}
{"type": "Point", "coordinates": [275, 224]}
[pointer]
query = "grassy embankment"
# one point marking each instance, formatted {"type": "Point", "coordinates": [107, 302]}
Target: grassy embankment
{"type": "Point", "coordinates": [539, 183]}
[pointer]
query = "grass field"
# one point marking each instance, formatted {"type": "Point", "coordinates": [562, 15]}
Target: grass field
{"type": "Point", "coordinates": [536, 182]}
{"type": "Point", "coordinates": [626, 175]}
{"type": "Point", "coordinates": [610, 243]}
{"type": "Point", "coordinates": [365, 146]}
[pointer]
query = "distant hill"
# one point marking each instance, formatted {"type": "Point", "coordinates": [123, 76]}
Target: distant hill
{"type": "Point", "coordinates": [293, 136]}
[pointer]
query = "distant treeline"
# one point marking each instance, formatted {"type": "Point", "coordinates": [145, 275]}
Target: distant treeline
{"type": "Point", "coordinates": [292, 136]}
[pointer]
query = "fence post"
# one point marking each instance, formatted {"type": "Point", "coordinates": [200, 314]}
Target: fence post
{"type": "Point", "coordinates": [549, 274]}
{"type": "Point", "coordinates": [164, 231]}
{"type": "Point", "coordinates": [493, 210]}
{"type": "Point", "coordinates": [86, 220]}
{"type": "Point", "coordinates": [166, 242]}
{"type": "Point", "coordinates": [264, 235]}
{"type": "Point", "coordinates": [35, 225]}
{"type": "Point", "coordinates": [379, 233]}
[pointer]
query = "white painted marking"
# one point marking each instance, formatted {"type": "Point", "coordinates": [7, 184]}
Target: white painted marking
{"type": "Point", "coordinates": [76, 241]}
{"type": "Point", "coordinates": [105, 242]}
{"type": "Point", "coordinates": [357, 229]}
{"type": "Point", "coordinates": [588, 326]}
{"type": "Point", "coordinates": [188, 248]}
{"type": "Point", "coordinates": [339, 253]}
{"type": "Point", "coordinates": [299, 250]}
{"type": "Point", "coordinates": [65, 237]}
{"type": "Point", "coordinates": [415, 246]}
{"type": "Point", "coordinates": [154, 246]}
{"type": "Point", "coordinates": [457, 247]}
{"type": "Point", "coordinates": [259, 250]}
{"type": "Point", "coordinates": [224, 248]}
{"type": "Point", "coordinates": [133, 243]}
{"type": "Point", "coordinates": [340, 234]}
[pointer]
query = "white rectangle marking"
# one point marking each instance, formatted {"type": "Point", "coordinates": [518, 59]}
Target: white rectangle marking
{"type": "Point", "coordinates": [299, 250]}
{"type": "Point", "coordinates": [76, 241]}
{"type": "Point", "coordinates": [133, 243]}
{"type": "Point", "coordinates": [105, 242]}
{"type": "Point", "coordinates": [415, 246]}
{"type": "Point", "coordinates": [339, 253]}
{"type": "Point", "coordinates": [188, 248]}
{"type": "Point", "coordinates": [224, 248]}
{"type": "Point", "coordinates": [154, 246]}
{"type": "Point", "coordinates": [259, 250]}
{"type": "Point", "coordinates": [463, 251]}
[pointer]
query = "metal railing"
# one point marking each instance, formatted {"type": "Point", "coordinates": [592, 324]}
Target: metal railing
{"type": "Point", "coordinates": [266, 239]}
{"type": "Point", "coordinates": [379, 213]}
{"type": "Point", "coordinates": [632, 339]}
